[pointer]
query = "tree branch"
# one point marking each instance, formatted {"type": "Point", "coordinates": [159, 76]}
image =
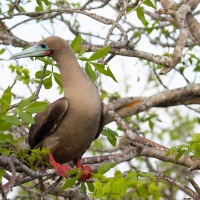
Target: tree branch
{"type": "Point", "coordinates": [187, 95]}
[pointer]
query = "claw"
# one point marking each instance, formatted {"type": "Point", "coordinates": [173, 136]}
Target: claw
{"type": "Point", "coordinates": [86, 171]}
{"type": "Point", "coordinates": [61, 170]}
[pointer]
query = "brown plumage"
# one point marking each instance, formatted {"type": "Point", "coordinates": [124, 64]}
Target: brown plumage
{"type": "Point", "coordinates": [69, 125]}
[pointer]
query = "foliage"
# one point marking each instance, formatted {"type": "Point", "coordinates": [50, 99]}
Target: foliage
{"type": "Point", "coordinates": [111, 136]}
{"type": "Point", "coordinates": [33, 158]}
{"type": "Point", "coordinates": [151, 34]}
{"type": "Point", "coordinates": [194, 145]}
{"type": "Point", "coordinates": [72, 180]}
{"type": "Point", "coordinates": [185, 149]}
{"type": "Point", "coordinates": [132, 185]}
{"type": "Point", "coordinates": [100, 54]}
{"type": "Point", "coordinates": [20, 115]}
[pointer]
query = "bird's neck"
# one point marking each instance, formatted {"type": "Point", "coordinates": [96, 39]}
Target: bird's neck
{"type": "Point", "coordinates": [73, 77]}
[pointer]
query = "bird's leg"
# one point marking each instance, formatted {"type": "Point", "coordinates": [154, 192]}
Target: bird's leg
{"type": "Point", "coordinates": [61, 170]}
{"type": "Point", "coordinates": [86, 170]}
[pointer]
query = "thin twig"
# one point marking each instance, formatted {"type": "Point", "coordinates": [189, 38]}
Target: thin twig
{"type": "Point", "coordinates": [8, 187]}
{"type": "Point", "coordinates": [170, 180]}
{"type": "Point", "coordinates": [41, 81]}
{"type": "Point", "coordinates": [37, 91]}
{"type": "Point", "coordinates": [194, 184]}
{"type": "Point", "coordinates": [52, 186]}
{"type": "Point", "coordinates": [136, 140]}
{"type": "Point", "coordinates": [3, 192]}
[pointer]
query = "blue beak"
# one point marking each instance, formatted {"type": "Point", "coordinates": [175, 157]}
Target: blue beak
{"type": "Point", "coordinates": [34, 51]}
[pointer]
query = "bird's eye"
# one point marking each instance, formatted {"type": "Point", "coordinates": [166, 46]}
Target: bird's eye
{"type": "Point", "coordinates": [43, 45]}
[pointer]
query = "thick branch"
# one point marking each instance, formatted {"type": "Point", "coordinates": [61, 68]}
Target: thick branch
{"type": "Point", "coordinates": [187, 95]}
{"type": "Point", "coordinates": [129, 154]}
{"type": "Point", "coordinates": [180, 16]}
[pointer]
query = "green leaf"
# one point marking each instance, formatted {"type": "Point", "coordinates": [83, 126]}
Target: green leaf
{"type": "Point", "coordinates": [83, 187]}
{"type": "Point", "coordinates": [31, 160]}
{"type": "Point", "coordinates": [76, 44]}
{"type": "Point", "coordinates": [90, 186]}
{"type": "Point", "coordinates": [5, 100]}
{"type": "Point", "coordinates": [101, 69]}
{"type": "Point", "coordinates": [47, 82]}
{"type": "Point", "coordinates": [111, 75]}
{"type": "Point", "coordinates": [194, 145]}
{"type": "Point", "coordinates": [27, 101]}
{"type": "Point", "coordinates": [36, 156]}
{"type": "Point", "coordinates": [6, 138]}
{"type": "Point", "coordinates": [46, 2]}
{"type": "Point", "coordinates": [105, 167]}
{"type": "Point", "coordinates": [100, 54]}
{"type": "Point", "coordinates": [39, 8]}
{"type": "Point", "coordinates": [5, 125]}
{"type": "Point", "coordinates": [38, 74]}
{"type": "Point", "coordinates": [5, 152]}
{"type": "Point", "coordinates": [2, 173]}
{"type": "Point", "coordinates": [39, 2]}
{"type": "Point", "coordinates": [128, 10]}
{"type": "Point", "coordinates": [90, 72]}
{"type": "Point", "coordinates": [39, 153]}
{"type": "Point", "coordinates": [70, 182]}
{"type": "Point", "coordinates": [179, 154]}
{"type": "Point", "coordinates": [115, 188]}
{"type": "Point", "coordinates": [72, 172]}
{"type": "Point", "coordinates": [57, 78]}
{"type": "Point", "coordinates": [36, 107]}
{"type": "Point", "coordinates": [83, 59]}
{"type": "Point", "coordinates": [98, 189]}
{"type": "Point", "coordinates": [111, 136]}
{"type": "Point", "coordinates": [20, 139]}
{"type": "Point", "coordinates": [171, 151]}
{"type": "Point", "coordinates": [149, 3]}
{"type": "Point", "coordinates": [151, 124]}
{"type": "Point", "coordinates": [2, 51]}
{"type": "Point", "coordinates": [140, 15]}
{"type": "Point", "coordinates": [12, 119]}
{"type": "Point", "coordinates": [26, 117]}
{"type": "Point", "coordinates": [81, 52]}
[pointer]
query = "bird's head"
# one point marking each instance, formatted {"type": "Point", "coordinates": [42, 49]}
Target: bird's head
{"type": "Point", "coordinates": [46, 47]}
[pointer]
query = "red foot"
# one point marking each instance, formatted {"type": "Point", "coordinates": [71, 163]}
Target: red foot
{"type": "Point", "coordinates": [86, 171]}
{"type": "Point", "coordinates": [61, 170]}
{"type": "Point", "coordinates": [86, 174]}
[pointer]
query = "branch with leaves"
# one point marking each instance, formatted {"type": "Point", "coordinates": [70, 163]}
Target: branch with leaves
{"type": "Point", "coordinates": [164, 40]}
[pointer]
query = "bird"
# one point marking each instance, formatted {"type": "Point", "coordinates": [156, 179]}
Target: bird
{"type": "Point", "coordinates": [69, 125]}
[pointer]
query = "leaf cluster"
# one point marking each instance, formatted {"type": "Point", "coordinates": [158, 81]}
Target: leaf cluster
{"type": "Point", "coordinates": [131, 185]}
{"type": "Point", "coordinates": [111, 136]}
{"type": "Point", "coordinates": [90, 65]}
{"type": "Point", "coordinates": [192, 148]}
{"type": "Point", "coordinates": [34, 157]}
{"type": "Point", "coordinates": [17, 116]}
{"type": "Point", "coordinates": [22, 114]}
{"type": "Point", "coordinates": [22, 73]}
{"type": "Point", "coordinates": [48, 78]}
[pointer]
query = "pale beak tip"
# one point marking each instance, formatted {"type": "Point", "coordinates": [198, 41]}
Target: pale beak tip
{"type": "Point", "coordinates": [12, 57]}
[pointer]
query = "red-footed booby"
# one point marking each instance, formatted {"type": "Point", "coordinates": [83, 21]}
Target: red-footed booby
{"type": "Point", "coordinates": [69, 125]}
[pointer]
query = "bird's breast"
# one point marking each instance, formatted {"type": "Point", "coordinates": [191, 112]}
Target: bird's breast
{"type": "Point", "coordinates": [78, 127]}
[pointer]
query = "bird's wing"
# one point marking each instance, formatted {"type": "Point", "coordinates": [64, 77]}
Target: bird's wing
{"type": "Point", "coordinates": [103, 119]}
{"type": "Point", "coordinates": [47, 121]}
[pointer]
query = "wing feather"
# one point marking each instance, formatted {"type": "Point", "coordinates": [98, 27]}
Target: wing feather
{"type": "Point", "coordinates": [47, 121]}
